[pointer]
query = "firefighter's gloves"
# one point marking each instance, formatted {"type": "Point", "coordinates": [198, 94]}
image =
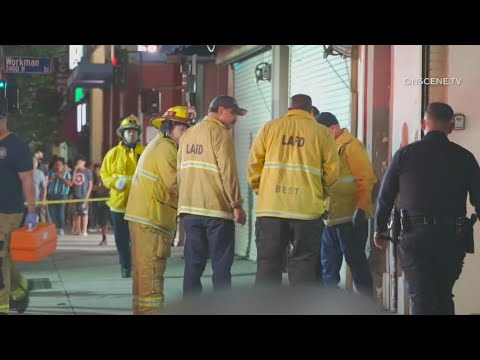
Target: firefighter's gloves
{"type": "Point", "coordinates": [120, 185]}
{"type": "Point", "coordinates": [381, 239]}
{"type": "Point", "coordinates": [31, 220]}
{"type": "Point", "coordinates": [358, 217]}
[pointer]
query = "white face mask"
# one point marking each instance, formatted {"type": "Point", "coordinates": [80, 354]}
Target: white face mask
{"type": "Point", "coordinates": [131, 136]}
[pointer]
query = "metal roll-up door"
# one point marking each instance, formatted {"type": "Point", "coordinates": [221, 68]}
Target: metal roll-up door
{"type": "Point", "coordinates": [327, 81]}
{"type": "Point", "coordinates": [257, 99]}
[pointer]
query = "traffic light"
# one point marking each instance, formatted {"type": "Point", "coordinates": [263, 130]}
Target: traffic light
{"type": "Point", "coordinates": [9, 95]}
{"type": "Point", "coordinates": [3, 88]}
{"type": "Point", "coordinates": [120, 66]}
{"type": "Point", "coordinates": [150, 101]}
{"type": "Point", "coordinates": [3, 99]}
{"type": "Point", "coordinates": [13, 96]}
{"type": "Point", "coordinates": [3, 107]}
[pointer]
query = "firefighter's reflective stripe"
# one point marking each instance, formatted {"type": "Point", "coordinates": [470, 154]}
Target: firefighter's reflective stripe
{"type": "Point", "coordinates": [346, 179]}
{"type": "Point", "coordinates": [20, 292]}
{"type": "Point", "coordinates": [286, 215]}
{"type": "Point", "coordinates": [148, 303]}
{"type": "Point", "coordinates": [148, 175]}
{"type": "Point", "coordinates": [147, 222]}
{"type": "Point", "coordinates": [205, 212]}
{"type": "Point", "coordinates": [199, 165]}
{"type": "Point", "coordinates": [126, 177]}
{"type": "Point", "coordinates": [287, 166]}
{"type": "Point", "coordinates": [151, 301]}
{"type": "Point", "coordinates": [117, 210]}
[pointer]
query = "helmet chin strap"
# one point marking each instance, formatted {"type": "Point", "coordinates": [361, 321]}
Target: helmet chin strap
{"type": "Point", "coordinates": [130, 145]}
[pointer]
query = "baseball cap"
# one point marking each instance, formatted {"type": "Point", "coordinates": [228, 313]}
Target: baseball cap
{"type": "Point", "coordinates": [227, 102]}
{"type": "Point", "coordinates": [327, 119]}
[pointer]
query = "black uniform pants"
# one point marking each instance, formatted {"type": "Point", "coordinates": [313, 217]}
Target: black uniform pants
{"type": "Point", "coordinates": [432, 260]}
{"type": "Point", "coordinates": [208, 237]}
{"type": "Point", "coordinates": [272, 237]}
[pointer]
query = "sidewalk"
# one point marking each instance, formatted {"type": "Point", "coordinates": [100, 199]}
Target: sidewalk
{"type": "Point", "coordinates": [83, 278]}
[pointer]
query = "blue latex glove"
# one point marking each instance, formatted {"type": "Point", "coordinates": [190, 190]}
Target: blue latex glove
{"type": "Point", "coordinates": [31, 220]}
{"type": "Point", "coordinates": [358, 217]}
{"type": "Point", "coordinates": [121, 184]}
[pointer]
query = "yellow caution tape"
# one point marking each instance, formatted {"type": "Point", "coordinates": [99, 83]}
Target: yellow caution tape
{"type": "Point", "coordinates": [69, 201]}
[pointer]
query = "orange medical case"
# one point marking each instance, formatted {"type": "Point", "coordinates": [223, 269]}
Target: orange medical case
{"type": "Point", "coordinates": [33, 245]}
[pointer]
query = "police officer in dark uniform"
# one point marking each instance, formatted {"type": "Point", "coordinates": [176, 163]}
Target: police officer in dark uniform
{"type": "Point", "coordinates": [433, 177]}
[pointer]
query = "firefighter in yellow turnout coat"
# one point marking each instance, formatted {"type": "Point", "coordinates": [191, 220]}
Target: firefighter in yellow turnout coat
{"type": "Point", "coordinates": [292, 165]}
{"type": "Point", "coordinates": [117, 169]}
{"type": "Point", "coordinates": [152, 210]}
{"type": "Point", "coordinates": [349, 207]}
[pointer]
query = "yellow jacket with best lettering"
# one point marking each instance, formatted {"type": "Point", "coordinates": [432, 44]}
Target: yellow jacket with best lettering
{"type": "Point", "coordinates": [207, 171]}
{"type": "Point", "coordinates": [153, 196]}
{"type": "Point", "coordinates": [354, 186]}
{"type": "Point", "coordinates": [293, 162]}
{"type": "Point", "coordinates": [119, 162]}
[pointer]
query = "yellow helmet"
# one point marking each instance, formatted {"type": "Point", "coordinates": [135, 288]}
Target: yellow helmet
{"type": "Point", "coordinates": [130, 122]}
{"type": "Point", "coordinates": [180, 114]}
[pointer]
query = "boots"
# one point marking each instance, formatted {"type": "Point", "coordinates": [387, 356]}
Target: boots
{"type": "Point", "coordinates": [19, 298]}
{"type": "Point", "coordinates": [126, 272]}
{"type": "Point", "coordinates": [104, 241]}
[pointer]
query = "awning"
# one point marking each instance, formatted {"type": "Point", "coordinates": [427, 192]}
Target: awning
{"type": "Point", "coordinates": [87, 75]}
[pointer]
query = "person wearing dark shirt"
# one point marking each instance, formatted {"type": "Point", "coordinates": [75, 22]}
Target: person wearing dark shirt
{"type": "Point", "coordinates": [16, 186]}
{"type": "Point", "coordinates": [432, 178]}
{"type": "Point", "coordinates": [100, 209]}
{"type": "Point", "coordinates": [82, 187]}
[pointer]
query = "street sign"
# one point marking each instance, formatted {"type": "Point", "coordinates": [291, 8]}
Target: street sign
{"type": "Point", "coordinates": [26, 65]}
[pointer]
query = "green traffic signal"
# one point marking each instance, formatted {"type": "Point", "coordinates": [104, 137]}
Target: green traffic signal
{"type": "Point", "coordinates": [3, 84]}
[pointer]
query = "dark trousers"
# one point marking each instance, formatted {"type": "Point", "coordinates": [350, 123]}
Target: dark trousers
{"type": "Point", "coordinates": [432, 260]}
{"type": "Point", "coordinates": [272, 237]}
{"type": "Point", "coordinates": [207, 237]}
{"type": "Point", "coordinates": [100, 212]}
{"type": "Point", "coordinates": [345, 240]}
{"type": "Point", "coordinates": [57, 211]}
{"type": "Point", "coordinates": [122, 238]}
